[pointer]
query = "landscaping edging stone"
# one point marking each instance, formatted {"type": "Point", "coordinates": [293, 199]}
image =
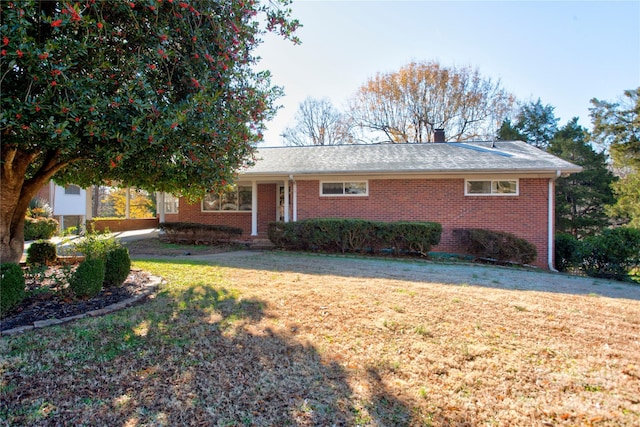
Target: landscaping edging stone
{"type": "Point", "coordinates": [149, 289]}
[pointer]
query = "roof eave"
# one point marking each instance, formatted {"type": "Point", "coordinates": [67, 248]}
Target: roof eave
{"type": "Point", "coordinates": [550, 171]}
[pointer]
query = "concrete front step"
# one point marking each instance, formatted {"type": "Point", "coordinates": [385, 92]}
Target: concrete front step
{"type": "Point", "coordinates": [256, 244]}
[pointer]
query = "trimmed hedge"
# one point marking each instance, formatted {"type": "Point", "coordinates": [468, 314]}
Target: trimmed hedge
{"type": "Point", "coordinates": [87, 280]}
{"type": "Point", "coordinates": [39, 228]}
{"type": "Point", "coordinates": [496, 245]}
{"type": "Point", "coordinates": [355, 235]}
{"type": "Point", "coordinates": [42, 252]}
{"type": "Point", "coordinates": [197, 234]}
{"type": "Point", "coordinates": [11, 287]}
{"type": "Point", "coordinates": [117, 266]}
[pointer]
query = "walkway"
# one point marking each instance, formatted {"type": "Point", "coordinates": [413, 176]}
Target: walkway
{"type": "Point", "coordinates": [65, 243]}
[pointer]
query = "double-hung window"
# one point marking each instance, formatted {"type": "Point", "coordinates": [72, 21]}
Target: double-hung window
{"type": "Point", "coordinates": [344, 188]}
{"type": "Point", "coordinates": [491, 187]}
{"type": "Point", "coordinates": [171, 203]}
{"type": "Point", "coordinates": [230, 199]}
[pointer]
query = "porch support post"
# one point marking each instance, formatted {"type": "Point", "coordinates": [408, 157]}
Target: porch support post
{"type": "Point", "coordinates": [295, 201]}
{"type": "Point", "coordinates": [286, 200]}
{"type": "Point", "coordinates": [160, 206]}
{"type": "Point", "coordinates": [254, 208]}
{"type": "Point", "coordinates": [127, 203]}
{"type": "Point", "coordinates": [88, 209]}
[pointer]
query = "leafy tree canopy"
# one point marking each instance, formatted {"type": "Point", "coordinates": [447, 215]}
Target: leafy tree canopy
{"type": "Point", "coordinates": [617, 126]}
{"type": "Point", "coordinates": [141, 205]}
{"type": "Point", "coordinates": [627, 204]}
{"type": "Point", "coordinates": [157, 94]}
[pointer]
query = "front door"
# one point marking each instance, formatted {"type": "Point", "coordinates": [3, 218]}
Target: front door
{"type": "Point", "coordinates": [280, 203]}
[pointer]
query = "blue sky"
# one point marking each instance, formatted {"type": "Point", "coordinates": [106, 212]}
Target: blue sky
{"type": "Point", "coordinates": [564, 53]}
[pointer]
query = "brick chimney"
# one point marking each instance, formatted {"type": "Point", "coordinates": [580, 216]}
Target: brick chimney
{"type": "Point", "coordinates": [438, 135]}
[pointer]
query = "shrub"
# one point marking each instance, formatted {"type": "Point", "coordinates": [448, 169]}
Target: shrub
{"type": "Point", "coordinates": [117, 266]}
{"type": "Point", "coordinates": [612, 254]}
{"type": "Point", "coordinates": [41, 252]}
{"type": "Point", "coordinates": [87, 280]}
{"type": "Point", "coordinates": [567, 251]}
{"type": "Point", "coordinates": [194, 233]}
{"type": "Point", "coordinates": [39, 228]}
{"type": "Point", "coordinates": [496, 245]}
{"type": "Point", "coordinates": [96, 245]}
{"type": "Point", "coordinates": [416, 237]}
{"type": "Point", "coordinates": [355, 235]}
{"type": "Point", "coordinates": [285, 235]}
{"type": "Point", "coordinates": [11, 287]}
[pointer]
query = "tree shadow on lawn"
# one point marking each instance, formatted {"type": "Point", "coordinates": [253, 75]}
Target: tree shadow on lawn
{"type": "Point", "coordinates": [201, 357]}
{"type": "Point", "coordinates": [420, 270]}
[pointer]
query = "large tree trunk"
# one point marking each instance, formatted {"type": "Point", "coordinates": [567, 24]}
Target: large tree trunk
{"type": "Point", "coordinates": [16, 191]}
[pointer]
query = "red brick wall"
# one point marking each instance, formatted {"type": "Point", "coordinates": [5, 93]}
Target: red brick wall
{"type": "Point", "coordinates": [266, 213]}
{"type": "Point", "coordinates": [443, 201]}
{"type": "Point", "coordinates": [438, 200]}
{"type": "Point", "coordinates": [45, 193]}
{"type": "Point", "coordinates": [116, 225]}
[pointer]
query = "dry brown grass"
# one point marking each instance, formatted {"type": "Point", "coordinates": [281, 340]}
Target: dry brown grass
{"type": "Point", "coordinates": [286, 339]}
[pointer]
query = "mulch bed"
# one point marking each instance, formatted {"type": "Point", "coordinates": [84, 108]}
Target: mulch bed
{"type": "Point", "coordinates": [53, 303]}
{"type": "Point", "coordinates": [50, 301]}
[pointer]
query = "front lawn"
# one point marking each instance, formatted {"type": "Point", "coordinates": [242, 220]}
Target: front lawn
{"type": "Point", "coordinates": [285, 339]}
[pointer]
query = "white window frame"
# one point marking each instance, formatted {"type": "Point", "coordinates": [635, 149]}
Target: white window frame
{"type": "Point", "coordinates": [492, 186]}
{"type": "Point", "coordinates": [171, 204]}
{"type": "Point", "coordinates": [237, 205]}
{"type": "Point", "coordinates": [344, 183]}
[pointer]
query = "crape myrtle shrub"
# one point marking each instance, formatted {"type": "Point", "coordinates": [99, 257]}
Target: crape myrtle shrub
{"type": "Point", "coordinates": [39, 228]}
{"type": "Point", "coordinates": [194, 233]}
{"type": "Point", "coordinates": [11, 287]}
{"type": "Point", "coordinates": [355, 235]}
{"type": "Point", "coordinates": [495, 245]}
{"type": "Point", "coordinates": [613, 254]}
{"type": "Point", "coordinates": [41, 253]}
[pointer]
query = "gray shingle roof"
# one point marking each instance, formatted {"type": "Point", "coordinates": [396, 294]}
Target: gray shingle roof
{"type": "Point", "coordinates": [475, 157]}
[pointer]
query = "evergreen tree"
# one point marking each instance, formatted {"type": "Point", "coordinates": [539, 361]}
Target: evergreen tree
{"type": "Point", "coordinates": [581, 198]}
{"type": "Point", "coordinates": [535, 124]}
{"type": "Point", "coordinates": [616, 125]}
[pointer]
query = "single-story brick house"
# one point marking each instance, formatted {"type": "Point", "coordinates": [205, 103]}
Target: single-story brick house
{"type": "Point", "coordinates": [502, 186]}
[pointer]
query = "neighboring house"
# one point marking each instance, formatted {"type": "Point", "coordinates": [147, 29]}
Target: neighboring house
{"type": "Point", "coordinates": [72, 207]}
{"type": "Point", "coordinates": [69, 204]}
{"type": "Point", "coordinates": [502, 186]}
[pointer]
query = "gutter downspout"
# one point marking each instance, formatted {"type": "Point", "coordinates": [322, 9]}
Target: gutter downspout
{"type": "Point", "coordinates": [551, 219]}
